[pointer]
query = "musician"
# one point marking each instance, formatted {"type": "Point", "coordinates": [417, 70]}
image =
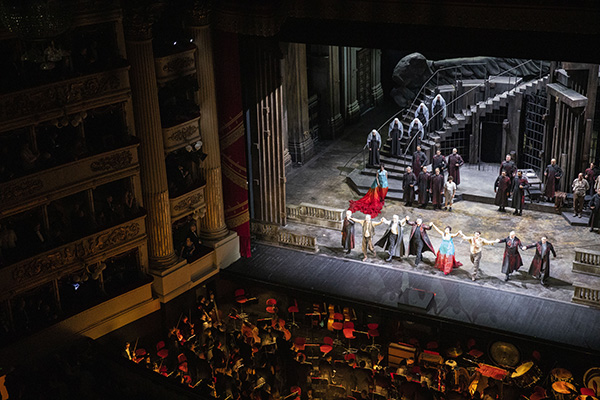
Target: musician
{"type": "Point", "coordinates": [127, 352]}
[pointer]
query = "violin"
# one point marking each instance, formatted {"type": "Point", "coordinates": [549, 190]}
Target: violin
{"type": "Point", "coordinates": [279, 324]}
{"type": "Point", "coordinates": [330, 320]}
{"type": "Point", "coordinates": [250, 332]}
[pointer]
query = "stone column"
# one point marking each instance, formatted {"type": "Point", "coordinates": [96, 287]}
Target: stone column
{"type": "Point", "coordinates": [146, 112]}
{"type": "Point", "coordinates": [377, 89]}
{"type": "Point", "coordinates": [296, 103]}
{"type": "Point", "coordinates": [348, 59]}
{"type": "Point", "coordinates": [213, 225]}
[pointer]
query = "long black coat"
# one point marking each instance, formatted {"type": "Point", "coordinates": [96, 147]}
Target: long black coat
{"type": "Point", "coordinates": [348, 234]}
{"type": "Point", "coordinates": [553, 174]}
{"type": "Point", "coordinates": [419, 159]}
{"type": "Point", "coordinates": [410, 180]}
{"type": "Point", "coordinates": [453, 169]}
{"type": "Point", "coordinates": [423, 182]}
{"type": "Point", "coordinates": [541, 262]}
{"type": "Point", "coordinates": [502, 189]}
{"type": "Point", "coordinates": [437, 189]}
{"type": "Point", "coordinates": [422, 230]}
{"type": "Point", "coordinates": [512, 258]}
{"type": "Point", "coordinates": [385, 242]}
{"type": "Point", "coordinates": [518, 194]}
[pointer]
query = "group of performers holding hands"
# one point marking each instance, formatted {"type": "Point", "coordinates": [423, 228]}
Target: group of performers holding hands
{"type": "Point", "coordinates": [418, 242]}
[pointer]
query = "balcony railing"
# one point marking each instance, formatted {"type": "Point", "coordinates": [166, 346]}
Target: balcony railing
{"type": "Point", "coordinates": [317, 215]}
{"type": "Point", "coordinates": [42, 103]}
{"type": "Point", "coordinates": [71, 257]}
{"type": "Point", "coordinates": [175, 65]}
{"type": "Point", "coordinates": [587, 261]}
{"type": "Point", "coordinates": [191, 202]}
{"type": "Point", "coordinates": [271, 233]}
{"type": "Point", "coordinates": [66, 179]}
{"type": "Point", "coordinates": [179, 136]}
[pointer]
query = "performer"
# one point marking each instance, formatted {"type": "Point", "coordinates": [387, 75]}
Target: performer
{"type": "Point", "coordinates": [520, 184]}
{"type": "Point", "coordinates": [509, 167]}
{"type": "Point", "coordinates": [419, 160]}
{"type": "Point", "coordinates": [590, 175]}
{"type": "Point", "coordinates": [438, 111]}
{"type": "Point", "coordinates": [348, 232]}
{"type": "Point", "coordinates": [415, 134]}
{"type": "Point", "coordinates": [372, 202]}
{"type": "Point", "coordinates": [455, 161]}
{"type": "Point", "coordinates": [368, 230]}
{"type": "Point", "coordinates": [392, 240]}
{"type": "Point", "coordinates": [410, 180]}
{"type": "Point", "coordinates": [419, 241]}
{"type": "Point", "coordinates": [502, 190]}
{"type": "Point", "coordinates": [477, 243]}
{"type": "Point", "coordinates": [437, 189]}
{"type": "Point", "coordinates": [395, 134]}
{"type": "Point", "coordinates": [422, 113]}
{"type": "Point", "coordinates": [449, 192]}
{"type": "Point", "coordinates": [541, 260]}
{"type": "Point", "coordinates": [445, 261]}
{"type": "Point", "coordinates": [439, 161]}
{"type": "Point", "coordinates": [423, 186]}
{"type": "Point", "coordinates": [374, 145]}
{"type": "Point", "coordinates": [512, 259]}
{"type": "Point", "coordinates": [580, 188]}
{"type": "Point", "coordinates": [553, 173]}
{"type": "Point", "coordinates": [595, 208]}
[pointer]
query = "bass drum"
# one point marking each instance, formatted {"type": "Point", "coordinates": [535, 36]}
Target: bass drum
{"type": "Point", "coordinates": [561, 374]}
{"type": "Point", "coordinates": [564, 390]}
{"type": "Point", "coordinates": [526, 375]}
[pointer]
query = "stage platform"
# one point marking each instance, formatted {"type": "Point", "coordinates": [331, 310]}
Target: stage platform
{"type": "Point", "coordinates": [457, 301]}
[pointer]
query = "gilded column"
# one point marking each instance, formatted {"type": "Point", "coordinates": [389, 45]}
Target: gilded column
{"type": "Point", "coordinates": [213, 225]}
{"type": "Point", "coordinates": [146, 112]}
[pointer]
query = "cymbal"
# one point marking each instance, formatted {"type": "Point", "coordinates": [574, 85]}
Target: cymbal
{"type": "Point", "coordinates": [504, 354]}
{"type": "Point", "coordinates": [454, 352]}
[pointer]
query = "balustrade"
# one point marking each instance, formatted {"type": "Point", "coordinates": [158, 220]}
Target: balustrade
{"type": "Point", "coordinates": [63, 180]}
{"type": "Point", "coordinates": [191, 202]}
{"type": "Point", "coordinates": [587, 261]}
{"type": "Point", "coordinates": [181, 135]}
{"type": "Point", "coordinates": [584, 294]}
{"type": "Point", "coordinates": [275, 234]}
{"type": "Point", "coordinates": [175, 65]}
{"type": "Point", "coordinates": [316, 215]}
{"type": "Point", "coordinates": [71, 257]}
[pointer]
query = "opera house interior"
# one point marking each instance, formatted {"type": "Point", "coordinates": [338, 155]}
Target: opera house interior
{"type": "Point", "coordinates": [230, 199]}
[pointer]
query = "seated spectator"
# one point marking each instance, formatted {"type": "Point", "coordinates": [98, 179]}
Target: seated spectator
{"type": "Point", "coordinates": [130, 207]}
{"type": "Point", "coordinates": [189, 251]}
{"type": "Point", "coordinates": [193, 234]}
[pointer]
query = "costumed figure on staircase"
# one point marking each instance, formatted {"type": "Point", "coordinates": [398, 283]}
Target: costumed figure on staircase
{"type": "Point", "coordinates": [392, 240]}
{"type": "Point", "coordinates": [408, 187]}
{"type": "Point", "coordinates": [520, 185]}
{"type": "Point", "coordinates": [439, 161]}
{"type": "Point", "coordinates": [415, 135]}
{"type": "Point", "coordinates": [424, 187]}
{"type": "Point", "coordinates": [372, 202]}
{"type": "Point", "coordinates": [445, 260]}
{"type": "Point", "coordinates": [512, 259]}
{"type": "Point", "coordinates": [438, 113]}
{"type": "Point", "coordinates": [541, 260]}
{"type": "Point", "coordinates": [455, 161]}
{"type": "Point", "coordinates": [374, 145]}
{"type": "Point", "coordinates": [395, 134]}
{"type": "Point", "coordinates": [419, 160]}
{"type": "Point", "coordinates": [553, 173]}
{"type": "Point", "coordinates": [348, 232]}
{"type": "Point", "coordinates": [422, 113]}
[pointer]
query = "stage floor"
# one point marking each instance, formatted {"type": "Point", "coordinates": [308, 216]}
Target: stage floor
{"type": "Point", "coordinates": [455, 300]}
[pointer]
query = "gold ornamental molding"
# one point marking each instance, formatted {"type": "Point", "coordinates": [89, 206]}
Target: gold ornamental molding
{"type": "Point", "coordinates": [191, 202]}
{"type": "Point", "coordinates": [54, 183]}
{"type": "Point", "coordinates": [114, 161]}
{"type": "Point", "coordinates": [181, 135]}
{"type": "Point", "coordinates": [55, 263]}
{"type": "Point", "coordinates": [43, 103]}
{"type": "Point", "coordinates": [175, 65]}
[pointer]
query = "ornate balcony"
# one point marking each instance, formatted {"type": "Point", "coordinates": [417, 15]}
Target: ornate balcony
{"type": "Point", "coordinates": [191, 202]}
{"type": "Point", "coordinates": [175, 65]}
{"type": "Point", "coordinates": [31, 190]}
{"type": "Point", "coordinates": [42, 103]}
{"type": "Point", "coordinates": [69, 258]}
{"type": "Point", "coordinates": [179, 136]}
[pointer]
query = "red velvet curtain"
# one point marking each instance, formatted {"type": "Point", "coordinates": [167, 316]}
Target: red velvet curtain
{"type": "Point", "coordinates": [232, 136]}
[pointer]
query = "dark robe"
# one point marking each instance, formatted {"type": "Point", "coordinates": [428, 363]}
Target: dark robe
{"type": "Point", "coordinates": [394, 246]}
{"type": "Point", "coordinates": [453, 169]}
{"type": "Point", "coordinates": [553, 174]}
{"type": "Point", "coordinates": [541, 262]}
{"type": "Point", "coordinates": [437, 189]}
{"type": "Point", "coordinates": [410, 180]}
{"type": "Point", "coordinates": [395, 145]}
{"type": "Point", "coordinates": [374, 152]}
{"type": "Point", "coordinates": [423, 232]}
{"type": "Point", "coordinates": [419, 159]}
{"type": "Point", "coordinates": [509, 167]}
{"type": "Point", "coordinates": [512, 259]}
{"type": "Point", "coordinates": [348, 234]}
{"type": "Point", "coordinates": [415, 135]}
{"type": "Point", "coordinates": [422, 117]}
{"type": "Point", "coordinates": [437, 116]}
{"type": "Point", "coordinates": [502, 189]}
{"type": "Point", "coordinates": [518, 194]}
{"type": "Point", "coordinates": [423, 182]}
{"type": "Point", "coordinates": [595, 208]}
{"type": "Point", "coordinates": [590, 175]}
{"type": "Point", "coordinates": [439, 161]}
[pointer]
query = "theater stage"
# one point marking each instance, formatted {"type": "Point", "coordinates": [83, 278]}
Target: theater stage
{"type": "Point", "coordinates": [455, 300]}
